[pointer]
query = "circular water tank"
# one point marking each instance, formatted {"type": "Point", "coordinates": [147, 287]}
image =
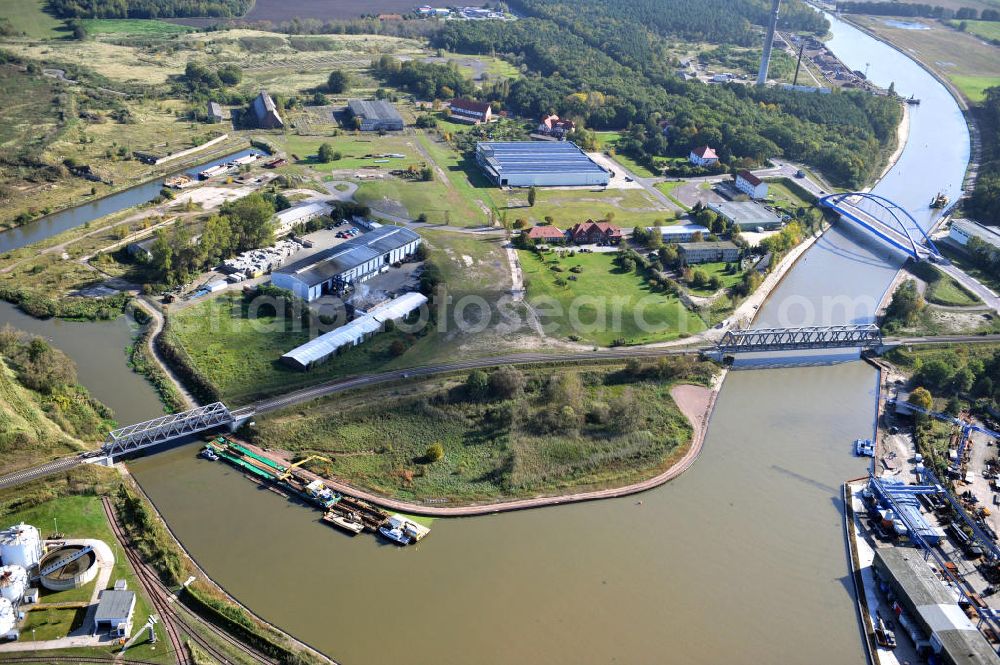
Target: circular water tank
{"type": "Point", "coordinates": [74, 574]}
{"type": "Point", "coordinates": [7, 618]}
{"type": "Point", "coordinates": [13, 582]}
{"type": "Point", "coordinates": [20, 545]}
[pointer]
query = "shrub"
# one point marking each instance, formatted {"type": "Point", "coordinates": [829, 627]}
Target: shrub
{"type": "Point", "coordinates": [435, 451]}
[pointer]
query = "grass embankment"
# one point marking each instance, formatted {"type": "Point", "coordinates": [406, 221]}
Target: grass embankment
{"type": "Point", "coordinates": [942, 289]}
{"type": "Point", "coordinates": [512, 433]}
{"type": "Point", "coordinates": [610, 305]}
{"type": "Point", "coordinates": [44, 413]}
{"type": "Point", "coordinates": [138, 27]}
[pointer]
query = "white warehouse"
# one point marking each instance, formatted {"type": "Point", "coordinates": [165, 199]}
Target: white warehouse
{"type": "Point", "coordinates": [331, 270]}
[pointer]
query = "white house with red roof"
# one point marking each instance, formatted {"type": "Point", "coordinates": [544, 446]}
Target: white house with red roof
{"type": "Point", "coordinates": [751, 185]}
{"type": "Point", "coordinates": [703, 156]}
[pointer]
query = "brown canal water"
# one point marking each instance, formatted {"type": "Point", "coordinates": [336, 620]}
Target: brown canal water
{"type": "Point", "coordinates": [739, 560]}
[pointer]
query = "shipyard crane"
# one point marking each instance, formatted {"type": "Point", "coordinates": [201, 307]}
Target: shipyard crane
{"type": "Point", "coordinates": [967, 427]}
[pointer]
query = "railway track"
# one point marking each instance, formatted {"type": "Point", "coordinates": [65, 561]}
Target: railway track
{"type": "Point", "coordinates": [73, 659]}
{"type": "Point", "coordinates": [177, 619]}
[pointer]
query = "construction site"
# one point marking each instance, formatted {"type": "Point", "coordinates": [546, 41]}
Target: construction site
{"type": "Point", "coordinates": [924, 543]}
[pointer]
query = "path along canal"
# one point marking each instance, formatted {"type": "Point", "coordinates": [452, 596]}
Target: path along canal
{"type": "Point", "coordinates": [739, 560]}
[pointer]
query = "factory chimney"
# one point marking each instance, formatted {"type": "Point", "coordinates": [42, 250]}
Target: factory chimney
{"type": "Point", "coordinates": [765, 59]}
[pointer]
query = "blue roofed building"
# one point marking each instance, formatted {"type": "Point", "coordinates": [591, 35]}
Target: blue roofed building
{"type": "Point", "coordinates": [539, 164]}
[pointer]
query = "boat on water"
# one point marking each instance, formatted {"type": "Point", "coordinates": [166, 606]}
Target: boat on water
{"type": "Point", "coordinates": [351, 522]}
{"type": "Point", "coordinates": [179, 181]}
{"type": "Point", "coordinates": [913, 101]}
{"type": "Point", "coordinates": [864, 448]}
{"type": "Point", "coordinates": [395, 534]}
{"type": "Point", "coordinates": [939, 201]}
{"type": "Point", "coordinates": [209, 453]}
{"type": "Point", "coordinates": [213, 171]}
{"type": "Point", "coordinates": [402, 530]}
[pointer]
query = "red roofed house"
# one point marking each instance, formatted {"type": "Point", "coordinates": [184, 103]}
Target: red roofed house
{"type": "Point", "coordinates": [703, 156]}
{"type": "Point", "coordinates": [751, 185]}
{"type": "Point", "coordinates": [591, 232]}
{"type": "Point", "coordinates": [471, 111]}
{"type": "Point", "coordinates": [546, 233]}
{"type": "Point", "coordinates": [553, 125]}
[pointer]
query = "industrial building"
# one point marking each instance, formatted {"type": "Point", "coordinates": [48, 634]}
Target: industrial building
{"type": "Point", "coordinates": [947, 631]}
{"type": "Point", "coordinates": [319, 350]}
{"type": "Point", "coordinates": [114, 612]}
{"type": "Point", "coordinates": [288, 218]}
{"type": "Point", "coordinates": [375, 115]}
{"type": "Point", "coordinates": [266, 112]}
{"type": "Point", "coordinates": [962, 230]}
{"type": "Point", "coordinates": [679, 232]}
{"type": "Point", "coordinates": [539, 164]}
{"type": "Point", "coordinates": [20, 545]}
{"type": "Point", "coordinates": [747, 215]}
{"type": "Point", "coordinates": [708, 252]}
{"type": "Point", "coordinates": [333, 269]}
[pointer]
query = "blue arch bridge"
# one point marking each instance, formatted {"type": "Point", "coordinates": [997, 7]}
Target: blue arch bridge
{"type": "Point", "coordinates": [885, 220]}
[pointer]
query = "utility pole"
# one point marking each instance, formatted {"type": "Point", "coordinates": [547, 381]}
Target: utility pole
{"type": "Point", "coordinates": [765, 59]}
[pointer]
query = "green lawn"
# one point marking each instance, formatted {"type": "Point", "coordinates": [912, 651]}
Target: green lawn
{"type": "Point", "coordinates": [963, 263]}
{"type": "Point", "coordinates": [946, 291]}
{"type": "Point", "coordinates": [974, 87]}
{"type": "Point", "coordinates": [82, 516]}
{"type": "Point", "coordinates": [628, 207]}
{"type": "Point", "coordinates": [51, 624]}
{"type": "Point", "coordinates": [603, 304]}
{"type": "Point", "coordinates": [30, 17]}
{"type": "Point", "coordinates": [634, 166]}
{"type": "Point", "coordinates": [241, 356]}
{"type": "Point", "coordinates": [134, 26]}
{"type": "Point", "coordinates": [783, 193]}
{"type": "Point", "coordinates": [984, 29]}
{"type": "Point", "coordinates": [353, 150]}
{"type": "Point", "coordinates": [716, 270]}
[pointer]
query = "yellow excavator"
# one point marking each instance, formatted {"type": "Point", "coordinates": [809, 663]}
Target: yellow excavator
{"type": "Point", "coordinates": [291, 468]}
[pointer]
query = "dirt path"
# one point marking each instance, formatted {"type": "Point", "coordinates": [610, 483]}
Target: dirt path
{"type": "Point", "coordinates": [695, 402]}
{"type": "Point", "coordinates": [157, 322]}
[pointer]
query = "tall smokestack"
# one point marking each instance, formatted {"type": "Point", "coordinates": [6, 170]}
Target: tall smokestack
{"type": "Point", "coordinates": [765, 60]}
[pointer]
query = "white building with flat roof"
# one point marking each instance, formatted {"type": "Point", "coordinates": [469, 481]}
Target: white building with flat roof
{"type": "Point", "coordinates": [963, 229]}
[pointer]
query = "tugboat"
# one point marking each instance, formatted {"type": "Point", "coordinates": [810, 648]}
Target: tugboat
{"type": "Point", "coordinates": [913, 101]}
{"type": "Point", "coordinates": [208, 452]}
{"type": "Point", "coordinates": [939, 201]}
{"type": "Point", "coordinates": [864, 448]}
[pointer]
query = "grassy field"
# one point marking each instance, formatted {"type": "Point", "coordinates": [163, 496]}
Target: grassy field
{"type": "Point", "coordinates": [716, 270]}
{"type": "Point", "coordinates": [942, 289]}
{"type": "Point", "coordinates": [353, 148]}
{"type": "Point", "coordinates": [963, 263]}
{"type": "Point", "coordinates": [574, 429]}
{"type": "Point", "coordinates": [668, 188]}
{"type": "Point", "coordinates": [241, 356]}
{"type": "Point", "coordinates": [30, 17]}
{"type": "Point", "coordinates": [984, 29]}
{"type": "Point", "coordinates": [625, 207]}
{"type": "Point", "coordinates": [82, 516]}
{"type": "Point", "coordinates": [145, 27]}
{"type": "Point", "coordinates": [968, 62]}
{"type": "Point", "coordinates": [608, 304]}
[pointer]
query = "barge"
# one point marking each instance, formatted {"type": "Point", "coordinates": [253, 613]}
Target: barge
{"type": "Point", "coordinates": [213, 171]}
{"type": "Point", "coordinates": [343, 511]}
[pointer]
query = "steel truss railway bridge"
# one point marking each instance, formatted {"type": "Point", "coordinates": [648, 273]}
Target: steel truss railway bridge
{"type": "Point", "coordinates": [885, 220]}
{"type": "Point", "coordinates": [167, 428]}
{"type": "Point", "coordinates": [866, 336]}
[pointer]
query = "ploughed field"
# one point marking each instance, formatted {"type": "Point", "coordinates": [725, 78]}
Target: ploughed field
{"type": "Point", "coordinates": [285, 10]}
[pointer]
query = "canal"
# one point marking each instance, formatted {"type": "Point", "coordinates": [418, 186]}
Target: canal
{"type": "Point", "coordinates": [741, 559]}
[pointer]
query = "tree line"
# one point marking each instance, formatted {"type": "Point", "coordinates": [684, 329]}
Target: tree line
{"type": "Point", "coordinates": [590, 72]}
{"type": "Point", "coordinates": [916, 10]}
{"type": "Point", "coordinates": [148, 8]}
{"type": "Point", "coordinates": [984, 204]}
{"type": "Point", "coordinates": [427, 80]}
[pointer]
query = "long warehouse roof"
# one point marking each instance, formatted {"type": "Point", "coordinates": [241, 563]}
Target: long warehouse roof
{"type": "Point", "coordinates": [334, 261]}
{"type": "Point", "coordinates": [507, 157]}
{"type": "Point", "coordinates": [351, 333]}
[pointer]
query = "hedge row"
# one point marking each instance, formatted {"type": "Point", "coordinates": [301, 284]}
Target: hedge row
{"type": "Point", "coordinates": [71, 307]}
{"type": "Point", "coordinates": [235, 621]}
{"type": "Point", "coordinates": [142, 362]}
